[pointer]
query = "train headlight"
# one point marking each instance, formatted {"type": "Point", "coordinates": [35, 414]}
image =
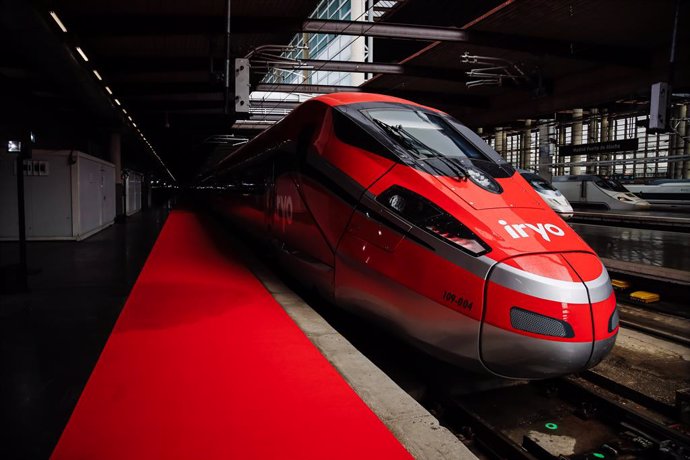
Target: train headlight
{"type": "Point", "coordinates": [397, 202]}
{"type": "Point", "coordinates": [426, 215]}
{"type": "Point", "coordinates": [483, 180]}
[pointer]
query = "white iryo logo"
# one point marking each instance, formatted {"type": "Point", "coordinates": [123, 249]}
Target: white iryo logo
{"type": "Point", "coordinates": [518, 230]}
{"type": "Point", "coordinates": [284, 210]}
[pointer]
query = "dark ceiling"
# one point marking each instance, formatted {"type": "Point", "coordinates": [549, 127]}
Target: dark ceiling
{"type": "Point", "coordinates": [614, 50]}
{"type": "Point", "coordinates": [164, 61]}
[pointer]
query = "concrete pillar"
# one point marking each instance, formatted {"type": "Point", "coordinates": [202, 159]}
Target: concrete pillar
{"type": "Point", "coordinates": [546, 132]}
{"type": "Point", "coordinates": [684, 131]}
{"type": "Point", "coordinates": [592, 138]}
{"type": "Point", "coordinates": [526, 147]}
{"type": "Point", "coordinates": [577, 140]}
{"type": "Point", "coordinates": [501, 143]}
{"type": "Point", "coordinates": [604, 134]}
{"type": "Point", "coordinates": [604, 137]}
{"type": "Point", "coordinates": [305, 55]}
{"type": "Point", "coordinates": [116, 159]}
{"type": "Point", "coordinates": [675, 144]}
{"type": "Point", "coordinates": [357, 48]}
{"type": "Point", "coordinates": [561, 141]}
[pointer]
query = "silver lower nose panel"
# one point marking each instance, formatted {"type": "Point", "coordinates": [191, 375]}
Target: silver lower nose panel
{"type": "Point", "coordinates": [601, 349]}
{"type": "Point", "coordinates": [522, 357]}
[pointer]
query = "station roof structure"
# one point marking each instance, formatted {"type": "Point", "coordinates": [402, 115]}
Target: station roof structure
{"type": "Point", "coordinates": [485, 62]}
{"type": "Point", "coordinates": [572, 54]}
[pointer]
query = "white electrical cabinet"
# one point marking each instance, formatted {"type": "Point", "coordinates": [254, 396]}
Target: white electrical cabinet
{"type": "Point", "coordinates": [133, 184]}
{"type": "Point", "coordinates": [69, 195]}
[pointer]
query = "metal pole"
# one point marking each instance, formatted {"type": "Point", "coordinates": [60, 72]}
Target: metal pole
{"type": "Point", "coordinates": [592, 137]}
{"type": "Point", "coordinates": [25, 152]}
{"type": "Point", "coordinates": [526, 149]}
{"type": "Point", "coordinates": [577, 140]}
{"type": "Point", "coordinates": [370, 40]}
{"type": "Point", "coordinates": [672, 58]}
{"type": "Point", "coordinates": [227, 58]}
{"type": "Point", "coordinates": [681, 143]}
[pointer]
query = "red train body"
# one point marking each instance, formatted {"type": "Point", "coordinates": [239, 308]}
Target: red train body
{"type": "Point", "coordinates": [399, 211]}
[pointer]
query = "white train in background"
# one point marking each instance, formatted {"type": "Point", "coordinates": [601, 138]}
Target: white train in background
{"type": "Point", "coordinates": [590, 191]}
{"type": "Point", "coordinates": [548, 193]}
{"type": "Point", "coordinates": [663, 191]}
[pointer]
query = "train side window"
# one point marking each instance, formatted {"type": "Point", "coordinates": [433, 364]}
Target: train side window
{"type": "Point", "coordinates": [304, 143]}
{"type": "Point", "coordinates": [255, 179]}
{"type": "Point", "coordinates": [348, 132]}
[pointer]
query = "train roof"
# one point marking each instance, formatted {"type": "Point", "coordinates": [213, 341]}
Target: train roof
{"type": "Point", "coordinates": [669, 181]}
{"type": "Point", "coordinates": [573, 178]}
{"type": "Point", "coordinates": [336, 99]}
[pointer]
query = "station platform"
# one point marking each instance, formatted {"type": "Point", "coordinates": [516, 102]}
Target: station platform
{"type": "Point", "coordinates": [659, 254]}
{"type": "Point", "coordinates": [667, 219]}
{"type": "Point", "coordinates": [52, 335]}
{"type": "Point", "coordinates": [203, 362]}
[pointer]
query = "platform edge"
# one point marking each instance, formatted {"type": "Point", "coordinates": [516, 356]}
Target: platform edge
{"type": "Point", "coordinates": [414, 427]}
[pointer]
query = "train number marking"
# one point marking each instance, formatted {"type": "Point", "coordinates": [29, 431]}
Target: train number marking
{"type": "Point", "coordinates": [284, 210]}
{"type": "Point", "coordinates": [457, 300]}
{"type": "Point", "coordinates": [544, 230]}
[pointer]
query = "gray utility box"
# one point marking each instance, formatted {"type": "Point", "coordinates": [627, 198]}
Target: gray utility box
{"type": "Point", "coordinates": [133, 184]}
{"type": "Point", "coordinates": [69, 195]}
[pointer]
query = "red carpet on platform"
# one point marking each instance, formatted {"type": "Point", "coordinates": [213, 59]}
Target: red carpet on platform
{"type": "Point", "coordinates": [204, 364]}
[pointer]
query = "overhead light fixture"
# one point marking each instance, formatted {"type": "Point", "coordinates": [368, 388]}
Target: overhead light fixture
{"type": "Point", "coordinates": [124, 111]}
{"type": "Point", "coordinates": [134, 124]}
{"type": "Point", "coordinates": [14, 146]}
{"type": "Point", "coordinates": [108, 90]}
{"type": "Point", "coordinates": [98, 75]}
{"type": "Point", "coordinates": [82, 54]}
{"type": "Point", "coordinates": [129, 118]}
{"type": "Point", "coordinates": [116, 101]}
{"type": "Point", "coordinates": [55, 17]}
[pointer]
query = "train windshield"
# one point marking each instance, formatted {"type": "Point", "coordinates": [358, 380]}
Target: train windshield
{"type": "Point", "coordinates": [424, 135]}
{"type": "Point", "coordinates": [538, 182]}
{"type": "Point", "coordinates": [610, 184]}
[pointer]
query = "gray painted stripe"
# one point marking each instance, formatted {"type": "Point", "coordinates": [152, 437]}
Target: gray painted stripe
{"type": "Point", "coordinates": [600, 289]}
{"type": "Point", "coordinates": [550, 289]}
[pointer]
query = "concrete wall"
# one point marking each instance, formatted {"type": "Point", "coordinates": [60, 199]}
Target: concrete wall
{"type": "Point", "coordinates": [72, 200]}
{"type": "Point", "coordinates": [133, 192]}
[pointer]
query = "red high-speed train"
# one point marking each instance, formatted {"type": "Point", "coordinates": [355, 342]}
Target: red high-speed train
{"type": "Point", "coordinates": [401, 212]}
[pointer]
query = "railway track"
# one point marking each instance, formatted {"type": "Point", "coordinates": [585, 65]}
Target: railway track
{"type": "Point", "coordinates": [586, 416]}
{"type": "Point", "coordinates": [651, 321]}
{"type": "Point", "coordinates": [566, 418]}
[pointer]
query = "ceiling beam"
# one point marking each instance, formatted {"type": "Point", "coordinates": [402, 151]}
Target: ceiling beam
{"type": "Point", "coordinates": [252, 124]}
{"type": "Point", "coordinates": [119, 66]}
{"type": "Point", "coordinates": [138, 25]}
{"type": "Point", "coordinates": [177, 97]}
{"type": "Point", "coordinates": [438, 98]}
{"type": "Point", "coordinates": [532, 45]}
{"type": "Point", "coordinates": [129, 69]}
{"type": "Point", "coordinates": [369, 67]}
{"type": "Point", "coordinates": [146, 25]}
{"type": "Point", "coordinates": [165, 104]}
{"type": "Point", "coordinates": [135, 88]}
{"type": "Point", "coordinates": [255, 104]}
{"type": "Point", "coordinates": [175, 76]}
{"type": "Point", "coordinates": [304, 88]}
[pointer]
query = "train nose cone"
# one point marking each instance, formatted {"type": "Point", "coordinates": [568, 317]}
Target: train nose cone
{"type": "Point", "coordinates": [539, 316]}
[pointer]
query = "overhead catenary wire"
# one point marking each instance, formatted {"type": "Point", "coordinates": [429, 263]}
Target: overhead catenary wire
{"type": "Point", "coordinates": [311, 72]}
